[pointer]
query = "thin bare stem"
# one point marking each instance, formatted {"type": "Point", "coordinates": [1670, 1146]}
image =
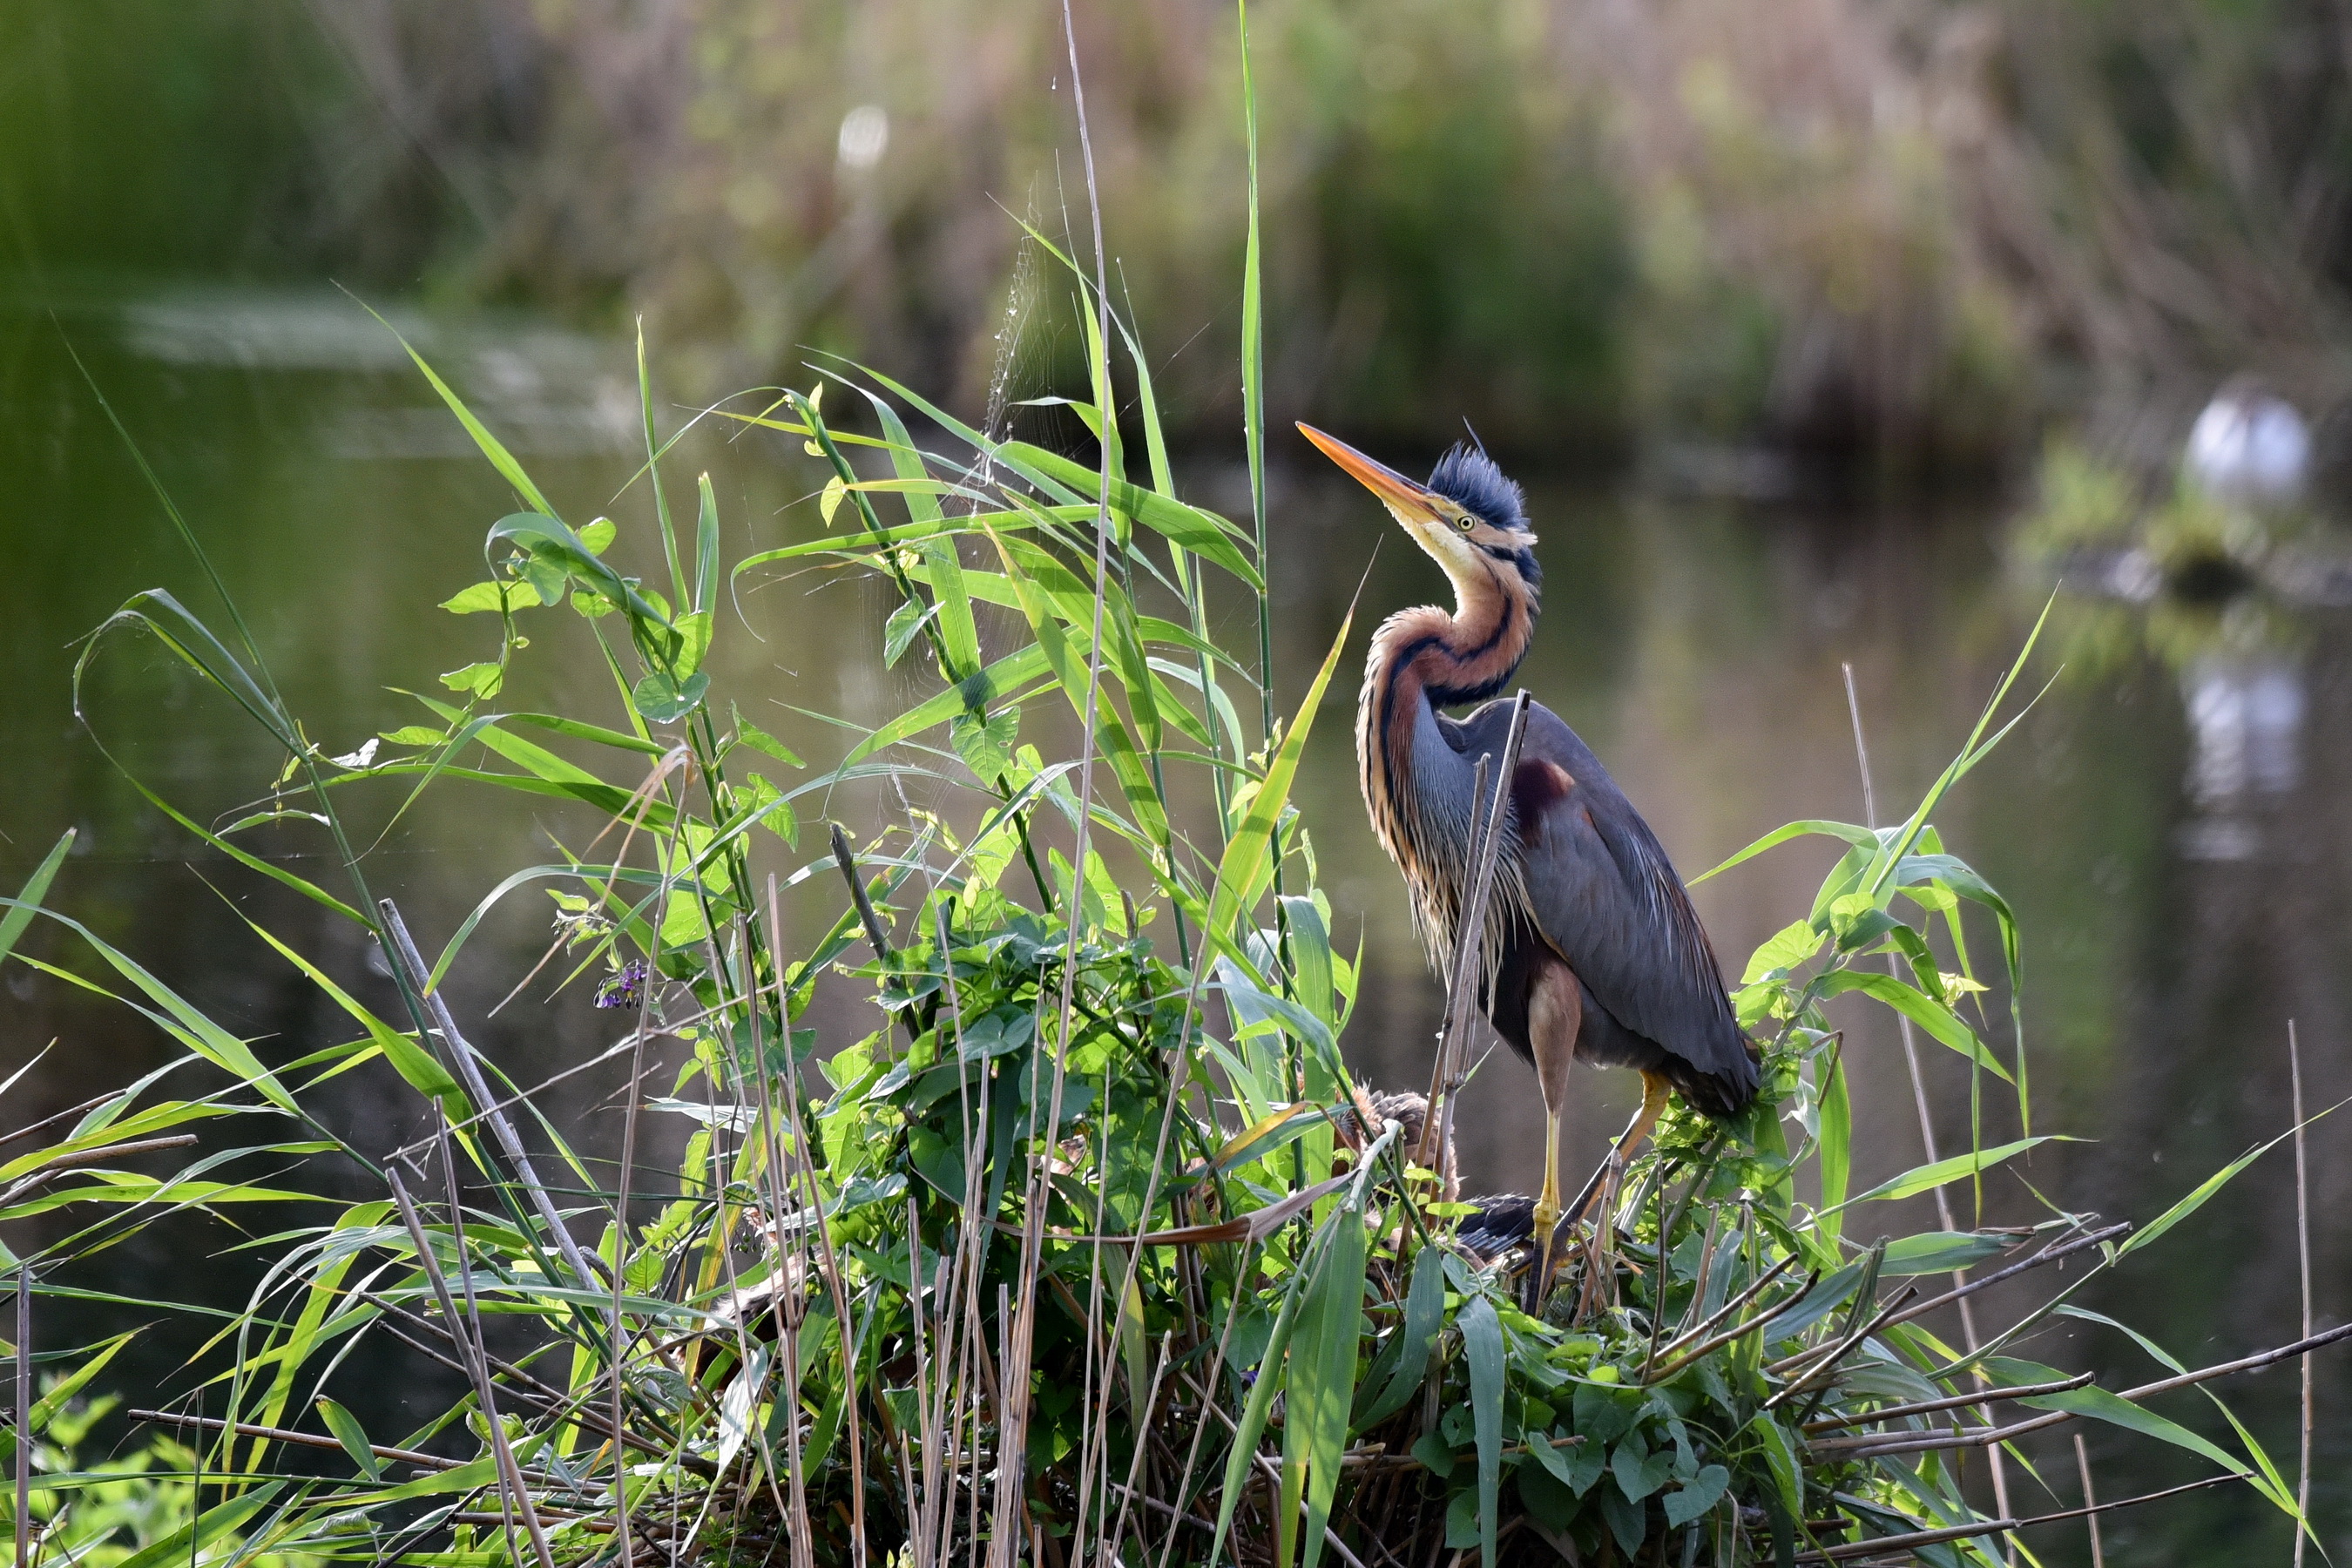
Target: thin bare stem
{"type": "Point", "coordinates": [469, 1070]}
{"type": "Point", "coordinates": [2001, 1526]}
{"type": "Point", "coordinates": [1930, 1408]}
{"type": "Point", "coordinates": [510, 1476]}
{"type": "Point", "coordinates": [1470, 942]}
{"type": "Point", "coordinates": [1703, 1345]}
{"type": "Point", "coordinates": [2303, 1258]}
{"type": "Point", "coordinates": [286, 1435]}
{"type": "Point", "coordinates": [24, 1414]}
{"type": "Point", "coordinates": [2047, 1255]}
{"type": "Point", "coordinates": [2091, 1500]}
{"type": "Point", "coordinates": [1014, 1419]}
{"type": "Point", "coordinates": [1959, 1293]}
{"type": "Point", "coordinates": [1985, 1437]}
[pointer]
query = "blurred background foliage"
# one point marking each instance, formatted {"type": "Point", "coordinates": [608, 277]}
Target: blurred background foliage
{"type": "Point", "coordinates": [1899, 234]}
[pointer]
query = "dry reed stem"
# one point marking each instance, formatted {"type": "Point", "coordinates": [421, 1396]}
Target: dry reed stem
{"type": "Point", "coordinates": [25, 1414]}
{"type": "Point", "coordinates": [1959, 1292]}
{"type": "Point", "coordinates": [2090, 1500]}
{"type": "Point", "coordinates": [2003, 1526]}
{"type": "Point", "coordinates": [1930, 1408]}
{"type": "Point", "coordinates": [286, 1435]}
{"type": "Point", "coordinates": [1470, 944]}
{"type": "Point", "coordinates": [1754, 1289]}
{"type": "Point", "coordinates": [513, 1491]}
{"type": "Point", "coordinates": [2051, 1253]}
{"type": "Point", "coordinates": [2303, 1259]}
{"type": "Point", "coordinates": [1441, 1068]}
{"type": "Point", "coordinates": [1982, 1436]}
{"type": "Point", "coordinates": [469, 1070]}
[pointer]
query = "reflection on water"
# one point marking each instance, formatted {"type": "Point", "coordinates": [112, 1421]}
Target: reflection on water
{"type": "Point", "coordinates": [2245, 724]}
{"type": "Point", "coordinates": [1696, 646]}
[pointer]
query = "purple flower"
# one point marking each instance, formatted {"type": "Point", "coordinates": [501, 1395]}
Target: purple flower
{"type": "Point", "coordinates": [625, 989]}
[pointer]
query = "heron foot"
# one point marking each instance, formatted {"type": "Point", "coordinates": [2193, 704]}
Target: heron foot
{"type": "Point", "coordinates": [1544, 1234]}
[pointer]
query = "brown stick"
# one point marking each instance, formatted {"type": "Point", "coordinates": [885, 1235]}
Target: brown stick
{"type": "Point", "coordinates": [1984, 1436]}
{"type": "Point", "coordinates": [1470, 937]}
{"type": "Point", "coordinates": [509, 1473]}
{"type": "Point", "coordinates": [2090, 1500]}
{"type": "Point", "coordinates": [1836, 1351]}
{"type": "Point", "coordinates": [2047, 1255]}
{"type": "Point", "coordinates": [63, 1163]}
{"type": "Point", "coordinates": [469, 1070]}
{"type": "Point", "coordinates": [1928, 1408]}
{"type": "Point", "coordinates": [2303, 1255]}
{"type": "Point", "coordinates": [285, 1435]}
{"type": "Point", "coordinates": [1960, 1287]}
{"type": "Point", "coordinates": [1728, 1335]}
{"type": "Point", "coordinates": [1993, 1526]}
{"type": "Point", "coordinates": [24, 1414]}
{"type": "Point", "coordinates": [1441, 1074]}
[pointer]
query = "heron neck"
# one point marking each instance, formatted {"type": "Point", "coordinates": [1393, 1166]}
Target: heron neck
{"type": "Point", "coordinates": [1422, 660]}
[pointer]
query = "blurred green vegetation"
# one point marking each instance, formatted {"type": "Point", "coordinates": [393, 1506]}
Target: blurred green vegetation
{"type": "Point", "coordinates": [1897, 235]}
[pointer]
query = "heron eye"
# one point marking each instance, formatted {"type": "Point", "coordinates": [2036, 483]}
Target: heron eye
{"type": "Point", "coordinates": [1465, 524]}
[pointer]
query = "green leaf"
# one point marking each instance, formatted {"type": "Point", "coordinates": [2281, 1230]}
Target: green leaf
{"type": "Point", "coordinates": [415, 735]}
{"type": "Point", "coordinates": [178, 1018]}
{"type": "Point", "coordinates": [353, 1436]}
{"type": "Point", "coordinates": [706, 544]}
{"type": "Point", "coordinates": [1703, 1491]}
{"type": "Point", "coordinates": [985, 745]}
{"type": "Point", "coordinates": [481, 680]}
{"type": "Point", "coordinates": [2103, 1406]}
{"type": "Point", "coordinates": [29, 897]}
{"type": "Point", "coordinates": [659, 700]}
{"type": "Point", "coordinates": [1321, 1383]}
{"type": "Point", "coordinates": [1246, 867]}
{"type": "Point", "coordinates": [1860, 836]}
{"type": "Point", "coordinates": [1925, 1178]}
{"type": "Point", "coordinates": [1789, 946]}
{"type": "Point", "coordinates": [769, 807]}
{"type": "Point", "coordinates": [2197, 1197]}
{"type": "Point", "coordinates": [749, 734]}
{"type": "Point", "coordinates": [598, 535]}
{"type": "Point", "coordinates": [1252, 1425]}
{"type": "Point", "coordinates": [1482, 1349]}
{"type": "Point", "coordinates": [1939, 1021]}
{"type": "Point", "coordinates": [1836, 1149]}
{"type": "Point", "coordinates": [494, 597]}
{"type": "Point", "coordinates": [1007, 676]}
{"type": "Point", "coordinates": [694, 643]}
{"type": "Point", "coordinates": [416, 1066]}
{"type": "Point", "coordinates": [1637, 1471]}
{"type": "Point", "coordinates": [907, 623]}
{"type": "Point", "coordinates": [1425, 1315]}
{"type": "Point", "coordinates": [188, 1541]}
{"type": "Point", "coordinates": [1942, 1251]}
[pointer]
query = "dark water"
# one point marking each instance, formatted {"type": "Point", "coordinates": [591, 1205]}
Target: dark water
{"type": "Point", "coordinates": [2169, 828]}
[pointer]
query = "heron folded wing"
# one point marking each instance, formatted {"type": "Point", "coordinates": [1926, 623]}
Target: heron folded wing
{"type": "Point", "coordinates": [1600, 889]}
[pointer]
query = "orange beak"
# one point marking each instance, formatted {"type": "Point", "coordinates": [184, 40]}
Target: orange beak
{"type": "Point", "coordinates": [1411, 501]}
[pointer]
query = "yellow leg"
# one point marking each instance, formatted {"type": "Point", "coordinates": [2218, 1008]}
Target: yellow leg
{"type": "Point", "coordinates": [1656, 1092]}
{"type": "Point", "coordinates": [1547, 1210]}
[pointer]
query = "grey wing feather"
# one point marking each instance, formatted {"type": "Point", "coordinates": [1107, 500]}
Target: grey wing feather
{"type": "Point", "coordinates": [1602, 891]}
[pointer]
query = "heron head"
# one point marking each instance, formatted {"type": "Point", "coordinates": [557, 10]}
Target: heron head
{"type": "Point", "coordinates": [1470, 517]}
